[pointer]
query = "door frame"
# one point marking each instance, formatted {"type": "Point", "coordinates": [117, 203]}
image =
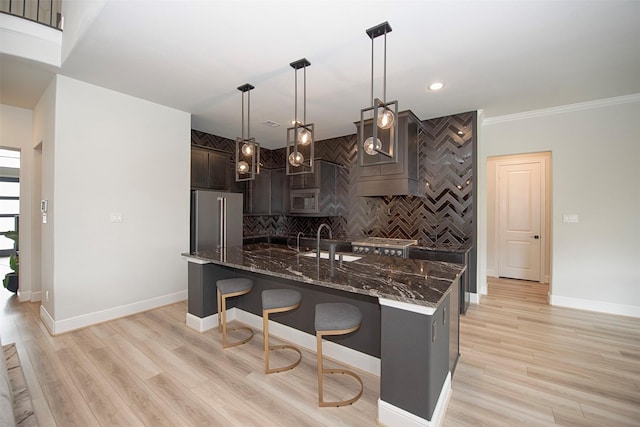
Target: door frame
{"type": "Point", "coordinates": [493, 201]}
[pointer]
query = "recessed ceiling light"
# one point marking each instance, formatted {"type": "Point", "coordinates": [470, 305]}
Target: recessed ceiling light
{"type": "Point", "coordinates": [436, 86]}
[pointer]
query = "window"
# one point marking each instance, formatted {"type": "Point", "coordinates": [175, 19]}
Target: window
{"type": "Point", "coordinates": [9, 196]}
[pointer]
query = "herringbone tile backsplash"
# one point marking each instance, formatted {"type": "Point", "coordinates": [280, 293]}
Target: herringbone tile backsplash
{"type": "Point", "coordinates": [444, 216]}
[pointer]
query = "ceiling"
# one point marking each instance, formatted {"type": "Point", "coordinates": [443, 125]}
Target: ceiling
{"type": "Point", "coordinates": [501, 57]}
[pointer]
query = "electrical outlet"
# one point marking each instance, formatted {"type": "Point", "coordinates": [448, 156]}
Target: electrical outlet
{"type": "Point", "coordinates": [570, 218]}
{"type": "Point", "coordinates": [116, 217]}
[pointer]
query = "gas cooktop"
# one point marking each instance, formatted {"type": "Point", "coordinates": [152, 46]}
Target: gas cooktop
{"type": "Point", "coordinates": [383, 246]}
{"type": "Point", "coordinates": [383, 241]}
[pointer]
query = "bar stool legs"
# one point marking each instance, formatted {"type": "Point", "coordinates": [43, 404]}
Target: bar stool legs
{"type": "Point", "coordinates": [228, 288]}
{"type": "Point", "coordinates": [278, 301]}
{"type": "Point", "coordinates": [335, 319]}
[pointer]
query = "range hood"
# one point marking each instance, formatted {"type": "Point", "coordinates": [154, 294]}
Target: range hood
{"type": "Point", "coordinates": [379, 175]}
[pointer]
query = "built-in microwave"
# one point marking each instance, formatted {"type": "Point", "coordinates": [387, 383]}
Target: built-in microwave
{"type": "Point", "coordinates": [304, 201]}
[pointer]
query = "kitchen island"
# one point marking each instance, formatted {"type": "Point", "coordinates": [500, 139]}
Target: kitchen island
{"type": "Point", "coordinates": [409, 334]}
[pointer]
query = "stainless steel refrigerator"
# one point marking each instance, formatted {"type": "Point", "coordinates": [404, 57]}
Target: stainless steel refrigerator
{"type": "Point", "coordinates": [216, 220]}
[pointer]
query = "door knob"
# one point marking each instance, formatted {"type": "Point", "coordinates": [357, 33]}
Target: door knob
{"type": "Point", "coordinates": [536, 237]}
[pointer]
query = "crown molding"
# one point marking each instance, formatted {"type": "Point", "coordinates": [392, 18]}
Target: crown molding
{"type": "Point", "coordinates": [626, 99]}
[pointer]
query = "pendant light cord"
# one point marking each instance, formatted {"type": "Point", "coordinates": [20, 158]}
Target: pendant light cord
{"type": "Point", "coordinates": [372, 71]}
{"type": "Point", "coordinates": [295, 113]}
{"type": "Point", "coordinates": [384, 77]}
{"type": "Point", "coordinates": [242, 116]}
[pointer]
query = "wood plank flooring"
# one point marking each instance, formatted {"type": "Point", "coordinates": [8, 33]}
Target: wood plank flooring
{"type": "Point", "coordinates": [525, 363]}
{"type": "Point", "coordinates": [522, 363]}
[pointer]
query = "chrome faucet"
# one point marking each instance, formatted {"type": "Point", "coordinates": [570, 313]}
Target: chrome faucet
{"type": "Point", "coordinates": [300, 233]}
{"type": "Point", "coordinates": [318, 239]}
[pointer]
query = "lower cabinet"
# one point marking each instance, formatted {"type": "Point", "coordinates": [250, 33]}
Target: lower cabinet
{"type": "Point", "coordinates": [414, 357]}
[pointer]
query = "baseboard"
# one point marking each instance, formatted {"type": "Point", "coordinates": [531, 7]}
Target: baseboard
{"type": "Point", "coordinates": [390, 415]}
{"type": "Point", "coordinates": [599, 306]}
{"type": "Point", "coordinates": [24, 296]}
{"type": "Point", "coordinates": [302, 339]}
{"type": "Point", "coordinates": [474, 298]}
{"type": "Point", "coordinates": [36, 296]}
{"type": "Point", "coordinates": [202, 324]}
{"type": "Point", "coordinates": [60, 326]}
{"type": "Point", "coordinates": [47, 320]}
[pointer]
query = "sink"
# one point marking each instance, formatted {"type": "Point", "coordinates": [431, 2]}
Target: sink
{"type": "Point", "coordinates": [325, 255]}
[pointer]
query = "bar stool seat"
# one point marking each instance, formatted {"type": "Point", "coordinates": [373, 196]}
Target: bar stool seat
{"type": "Point", "coordinates": [278, 301]}
{"type": "Point", "coordinates": [335, 319]}
{"type": "Point", "coordinates": [228, 288]}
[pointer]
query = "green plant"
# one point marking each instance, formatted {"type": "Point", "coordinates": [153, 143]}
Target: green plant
{"type": "Point", "coordinates": [14, 261]}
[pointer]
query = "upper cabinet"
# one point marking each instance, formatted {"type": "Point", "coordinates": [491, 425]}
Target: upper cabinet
{"type": "Point", "coordinates": [267, 193]}
{"type": "Point", "coordinates": [315, 194]}
{"type": "Point", "coordinates": [399, 177]}
{"type": "Point", "coordinates": [209, 169]}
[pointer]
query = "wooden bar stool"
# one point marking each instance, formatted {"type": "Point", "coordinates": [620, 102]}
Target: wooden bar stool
{"type": "Point", "coordinates": [278, 301]}
{"type": "Point", "coordinates": [335, 319]}
{"type": "Point", "coordinates": [228, 288]}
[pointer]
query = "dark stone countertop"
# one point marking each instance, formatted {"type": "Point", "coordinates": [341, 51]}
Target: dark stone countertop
{"type": "Point", "coordinates": [413, 281]}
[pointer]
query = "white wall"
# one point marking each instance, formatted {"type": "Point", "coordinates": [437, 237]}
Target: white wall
{"type": "Point", "coordinates": [15, 132]}
{"type": "Point", "coordinates": [595, 149]}
{"type": "Point", "coordinates": [116, 154]}
{"type": "Point", "coordinates": [44, 138]}
{"type": "Point", "coordinates": [78, 17]}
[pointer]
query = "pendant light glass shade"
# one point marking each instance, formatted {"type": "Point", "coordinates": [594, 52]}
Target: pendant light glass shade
{"type": "Point", "coordinates": [300, 141]}
{"type": "Point", "coordinates": [386, 119]}
{"type": "Point", "coordinates": [378, 128]}
{"type": "Point", "coordinates": [304, 137]}
{"type": "Point", "coordinates": [247, 149]}
{"type": "Point", "coordinates": [243, 167]}
{"type": "Point", "coordinates": [372, 146]}
{"type": "Point", "coordinates": [296, 159]}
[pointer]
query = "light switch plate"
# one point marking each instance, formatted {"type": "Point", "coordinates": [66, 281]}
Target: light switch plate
{"type": "Point", "coordinates": [116, 217]}
{"type": "Point", "coordinates": [570, 218]}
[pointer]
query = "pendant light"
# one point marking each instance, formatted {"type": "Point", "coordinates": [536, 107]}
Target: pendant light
{"type": "Point", "coordinates": [300, 142]}
{"type": "Point", "coordinates": [247, 149]}
{"type": "Point", "coordinates": [379, 135]}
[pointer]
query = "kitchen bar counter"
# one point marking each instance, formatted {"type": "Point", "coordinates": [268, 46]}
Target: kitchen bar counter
{"type": "Point", "coordinates": [411, 281]}
{"type": "Point", "coordinates": [409, 334]}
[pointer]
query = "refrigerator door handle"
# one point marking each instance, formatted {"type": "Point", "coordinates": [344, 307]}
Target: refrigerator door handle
{"type": "Point", "coordinates": [222, 219]}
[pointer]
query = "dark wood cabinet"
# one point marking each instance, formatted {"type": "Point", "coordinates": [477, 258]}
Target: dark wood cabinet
{"type": "Point", "coordinates": [199, 168]}
{"type": "Point", "coordinates": [260, 193]}
{"type": "Point", "coordinates": [279, 192]}
{"type": "Point", "coordinates": [268, 193]}
{"type": "Point", "coordinates": [315, 194]}
{"type": "Point", "coordinates": [209, 169]}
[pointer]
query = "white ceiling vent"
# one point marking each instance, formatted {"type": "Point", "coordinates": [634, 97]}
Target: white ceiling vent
{"type": "Point", "coordinates": [271, 124]}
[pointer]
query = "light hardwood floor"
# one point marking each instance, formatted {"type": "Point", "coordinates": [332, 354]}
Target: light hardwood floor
{"type": "Point", "coordinates": [523, 363]}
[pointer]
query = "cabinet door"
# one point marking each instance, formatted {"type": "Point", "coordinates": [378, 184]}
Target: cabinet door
{"type": "Point", "coordinates": [306, 180]}
{"type": "Point", "coordinates": [218, 171]}
{"type": "Point", "coordinates": [199, 168]}
{"type": "Point", "coordinates": [279, 193]}
{"type": "Point", "coordinates": [261, 193]}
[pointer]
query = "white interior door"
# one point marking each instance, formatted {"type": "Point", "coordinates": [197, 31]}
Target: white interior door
{"type": "Point", "coordinates": [519, 215]}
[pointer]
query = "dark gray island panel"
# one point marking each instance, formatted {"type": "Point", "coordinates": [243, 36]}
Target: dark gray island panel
{"type": "Point", "coordinates": [414, 362]}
